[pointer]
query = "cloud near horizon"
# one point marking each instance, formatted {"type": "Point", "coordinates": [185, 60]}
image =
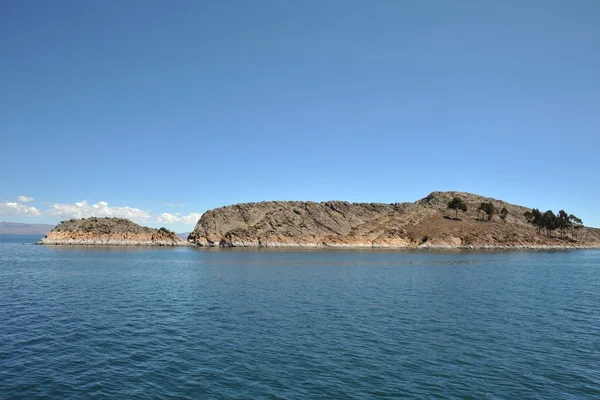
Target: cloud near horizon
{"type": "Point", "coordinates": [101, 209]}
{"type": "Point", "coordinates": [10, 209]}
{"type": "Point", "coordinates": [83, 209]}
{"type": "Point", "coordinates": [189, 219]}
{"type": "Point", "coordinates": [24, 199]}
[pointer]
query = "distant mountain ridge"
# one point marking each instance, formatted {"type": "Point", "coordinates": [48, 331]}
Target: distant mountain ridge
{"type": "Point", "coordinates": [426, 223]}
{"type": "Point", "coordinates": [18, 228]}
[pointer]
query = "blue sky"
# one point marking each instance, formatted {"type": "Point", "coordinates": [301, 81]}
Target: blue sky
{"type": "Point", "coordinates": [145, 108]}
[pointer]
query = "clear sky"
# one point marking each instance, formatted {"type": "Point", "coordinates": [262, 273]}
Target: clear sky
{"type": "Point", "coordinates": [160, 110]}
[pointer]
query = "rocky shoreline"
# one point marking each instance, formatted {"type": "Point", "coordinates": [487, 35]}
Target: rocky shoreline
{"type": "Point", "coordinates": [358, 246]}
{"type": "Point", "coordinates": [111, 242]}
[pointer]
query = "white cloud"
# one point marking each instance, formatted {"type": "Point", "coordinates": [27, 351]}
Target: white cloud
{"type": "Point", "coordinates": [168, 218]}
{"type": "Point", "coordinates": [83, 209]}
{"type": "Point", "coordinates": [24, 199]}
{"type": "Point", "coordinates": [8, 208]}
{"type": "Point", "coordinates": [101, 209]}
{"type": "Point", "coordinates": [189, 219]}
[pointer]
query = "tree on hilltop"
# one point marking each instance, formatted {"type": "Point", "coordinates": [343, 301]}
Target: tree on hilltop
{"type": "Point", "coordinates": [550, 221]}
{"type": "Point", "coordinates": [576, 225]}
{"type": "Point", "coordinates": [503, 214]}
{"type": "Point", "coordinates": [535, 218]}
{"type": "Point", "coordinates": [564, 223]}
{"type": "Point", "coordinates": [457, 204]}
{"type": "Point", "coordinates": [488, 209]}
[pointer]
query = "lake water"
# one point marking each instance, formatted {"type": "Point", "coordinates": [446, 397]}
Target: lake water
{"type": "Point", "coordinates": [138, 323]}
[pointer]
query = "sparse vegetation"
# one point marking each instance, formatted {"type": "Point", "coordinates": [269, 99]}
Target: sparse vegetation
{"type": "Point", "coordinates": [576, 225]}
{"type": "Point", "coordinates": [113, 231]}
{"type": "Point", "coordinates": [101, 225]}
{"type": "Point", "coordinates": [399, 225]}
{"type": "Point", "coordinates": [487, 209]}
{"type": "Point", "coordinates": [549, 222]}
{"type": "Point", "coordinates": [503, 214]}
{"type": "Point", "coordinates": [457, 204]}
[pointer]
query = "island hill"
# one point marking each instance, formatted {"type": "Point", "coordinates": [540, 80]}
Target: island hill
{"type": "Point", "coordinates": [440, 220]}
{"type": "Point", "coordinates": [109, 231]}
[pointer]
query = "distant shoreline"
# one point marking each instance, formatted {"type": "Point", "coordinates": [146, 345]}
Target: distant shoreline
{"type": "Point", "coordinates": [111, 242]}
{"type": "Point", "coordinates": [315, 247]}
{"type": "Point", "coordinates": [325, 246]}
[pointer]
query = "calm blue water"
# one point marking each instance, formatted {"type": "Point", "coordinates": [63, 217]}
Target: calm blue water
{"type": "Point", "coordinates": [186, 323]}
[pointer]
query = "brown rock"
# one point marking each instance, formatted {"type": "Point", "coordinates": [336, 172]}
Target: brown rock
{"type": "Point", "coordinates": [425, 223]}
{"type": "Point", "coordinates": [110, 231]}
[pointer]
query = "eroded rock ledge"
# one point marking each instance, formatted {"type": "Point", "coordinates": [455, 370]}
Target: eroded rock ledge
{"type": "Point", "coordinates": [109, 232]}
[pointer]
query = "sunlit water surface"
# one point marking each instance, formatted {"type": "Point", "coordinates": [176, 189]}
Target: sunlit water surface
{"type": "Point", "coordinates": [130, 323]}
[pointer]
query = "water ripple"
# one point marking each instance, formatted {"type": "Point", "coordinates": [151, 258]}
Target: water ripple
{"type": "Point", "coordinates": [287, 325]}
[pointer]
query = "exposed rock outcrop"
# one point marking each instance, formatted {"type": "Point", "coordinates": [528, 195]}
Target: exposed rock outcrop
{"type": "Point", "coordinates": [426, 223]}
{"type": "Point", "coordinates": [109, 231]}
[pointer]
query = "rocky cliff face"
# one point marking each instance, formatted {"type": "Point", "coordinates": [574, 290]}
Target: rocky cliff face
{"type": "Point", "coordinates": [109, 231]}
{"type": "Point", "coordinates": [425, 223]}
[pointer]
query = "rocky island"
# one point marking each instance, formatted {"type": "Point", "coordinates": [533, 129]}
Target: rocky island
{"type": "Point", "coordinates": [440, 220]}
{"type": "Point", "coordinates": [109, 231]}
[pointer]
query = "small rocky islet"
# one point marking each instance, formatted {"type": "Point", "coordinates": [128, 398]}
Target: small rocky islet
{"type": "Point", "coordinates": [426, 223]}
{"type": "Point", "coordinates": [111, 232]}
